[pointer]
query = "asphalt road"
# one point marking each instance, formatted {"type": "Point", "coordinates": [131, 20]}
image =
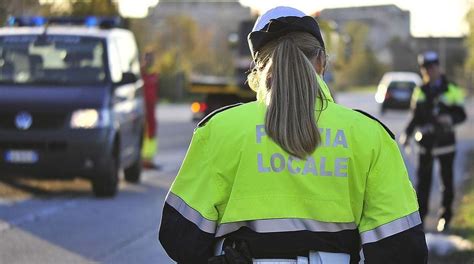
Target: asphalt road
{"type": "Point", "coordinates": [61, 222]}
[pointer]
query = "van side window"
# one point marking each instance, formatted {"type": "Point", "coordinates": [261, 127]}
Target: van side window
{"type": "Point", "coordinates": [129, 55]}
{"type": "Point", "coordinates": [114, 62]}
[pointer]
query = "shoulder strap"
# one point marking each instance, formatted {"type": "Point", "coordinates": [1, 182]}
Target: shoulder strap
{"type": "Point", "coordinates": [213, 113]}
{"type": "Point", "coordinates": [380, 122]}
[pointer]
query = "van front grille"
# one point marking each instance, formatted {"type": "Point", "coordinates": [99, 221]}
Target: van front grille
{"type": "Point", "coordinates": [41, 121]}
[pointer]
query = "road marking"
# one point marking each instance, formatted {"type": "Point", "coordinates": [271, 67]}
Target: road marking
{"type": "Point", "coordinates": [36, 216]}
{"type": "Point", "coordinates": [7, 202]}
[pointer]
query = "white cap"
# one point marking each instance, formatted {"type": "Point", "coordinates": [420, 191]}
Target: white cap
{"type": "Point", "coordinates": [281, 11]}
{"type": "Point", "coordinates": [428, 57]}
{"type": "Point", "coordinates": [286, 19]}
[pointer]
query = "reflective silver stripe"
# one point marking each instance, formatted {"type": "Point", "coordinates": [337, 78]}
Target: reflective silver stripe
{"type": "Point", "coordinates": [391, 228]}
{"type": "Point", "coordinates": [443, 150]}
{"type": "Point", "coordinates": [284, 225]}
{"type": "Point", "coordinates": [190, 213]}
{"type": "Point", "coordinates": [439, 150]}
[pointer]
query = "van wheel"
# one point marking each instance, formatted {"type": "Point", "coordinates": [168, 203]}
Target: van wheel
{"type": "Point", "coordinates": [105, 183]}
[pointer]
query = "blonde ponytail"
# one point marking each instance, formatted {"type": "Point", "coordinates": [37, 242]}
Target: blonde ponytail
{"type": "Point", "coordinates": [286, 79]}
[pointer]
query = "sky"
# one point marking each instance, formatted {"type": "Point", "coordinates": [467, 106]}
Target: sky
{"type": "Point", "coordinates": [428, 17]}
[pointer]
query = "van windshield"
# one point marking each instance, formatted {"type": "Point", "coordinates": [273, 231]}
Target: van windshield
{"type": "Point", "coordinates": [401, 85]}
{"type": "Point", "coordinates": [52, 59]}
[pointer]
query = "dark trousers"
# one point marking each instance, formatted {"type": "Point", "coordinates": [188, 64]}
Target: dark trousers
{"type": "Point", "coordinates": [425, 174]}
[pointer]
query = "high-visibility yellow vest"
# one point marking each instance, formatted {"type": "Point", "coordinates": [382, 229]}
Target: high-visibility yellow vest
{"type": "Point", "coordinates": [453, 96]}
{"type": "Point", "coordinates": [234, 175]}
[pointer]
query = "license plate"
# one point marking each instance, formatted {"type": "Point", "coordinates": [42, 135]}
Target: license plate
{"type": "Point", "coordinates": [21, 156]}
{"type": "Point", "coordinates": [401, 95]}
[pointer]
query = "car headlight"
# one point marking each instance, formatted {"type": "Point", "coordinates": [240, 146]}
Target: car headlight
{"type": "Point", "coordinates": [90, 118]}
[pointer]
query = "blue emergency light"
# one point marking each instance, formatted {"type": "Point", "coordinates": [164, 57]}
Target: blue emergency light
{"type": "Point", "coordinates": [90, 21]}
{"type": "Point", "coordinates": [26, 21]}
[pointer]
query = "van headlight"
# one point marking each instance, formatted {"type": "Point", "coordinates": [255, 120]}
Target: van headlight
{"type": "Point", "coordinates": [90, 118]}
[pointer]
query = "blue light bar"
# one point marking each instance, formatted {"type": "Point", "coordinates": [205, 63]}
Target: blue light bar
{"type": "Point", "coordinates": [26, 21]}
{"type": "Point", "coordinates": [38, 21]}
{"type": "Point", "coordinates": [11, 21]}
{"type": "Point", "coordinates": [90, 21]}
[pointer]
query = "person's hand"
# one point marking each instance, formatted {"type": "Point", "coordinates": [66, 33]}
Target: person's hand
{"type": "Point", "coordinates": [403, 140]}
{"type": "Point", "coordinates": [238, 255]}
{"type": "Point", "coordinates": [445, 120]}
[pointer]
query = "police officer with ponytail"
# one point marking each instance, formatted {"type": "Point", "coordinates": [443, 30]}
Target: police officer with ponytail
{"type": "Point", "coordinates": [292, 177]}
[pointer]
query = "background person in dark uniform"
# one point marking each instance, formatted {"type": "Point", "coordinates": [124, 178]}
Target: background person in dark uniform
{"type": "Point", "coordinates": [437, 108]}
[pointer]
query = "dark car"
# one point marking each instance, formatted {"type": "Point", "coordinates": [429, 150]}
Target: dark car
{"type": "Point", "coordinates": [396, 89]}
{"type": "Point", "coordinates": [71, 104]}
